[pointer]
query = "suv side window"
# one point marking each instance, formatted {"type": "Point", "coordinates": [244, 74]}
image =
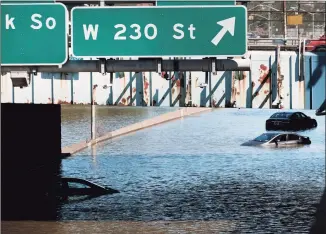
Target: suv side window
{"type": "Point", "coordinates": [281, 138]}
{"type": "Point", "coordinates": [296, 116]}
{"type": "Point", "coordinates": [292, 137]}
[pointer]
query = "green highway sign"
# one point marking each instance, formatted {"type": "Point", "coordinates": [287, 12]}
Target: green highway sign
{"type": "Point", "coordinates": [34, 34]}
{"type": "Point", "coordinates": [27, 1]}
{"type": "Point", "coordinates": [192, 3]}
{"type": "Point", "coordinates": [174, 31]}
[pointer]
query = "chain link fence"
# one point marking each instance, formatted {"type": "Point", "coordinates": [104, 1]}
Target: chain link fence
{"type": "Point", "coordinates": [272, 19]}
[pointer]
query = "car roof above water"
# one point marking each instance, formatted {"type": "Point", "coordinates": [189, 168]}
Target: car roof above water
{"type": "Point", "coordinates": [280, 133]}
{"type": "Point", "coordinates": [282, 115]}
{"type": "Point", "coordinates": [270, 134]}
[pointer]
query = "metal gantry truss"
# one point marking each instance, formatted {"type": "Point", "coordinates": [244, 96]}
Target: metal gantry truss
{"type": "Point", "coordinates": [21, 74]}
{"type": "Point", "coordinates": [140, 65]}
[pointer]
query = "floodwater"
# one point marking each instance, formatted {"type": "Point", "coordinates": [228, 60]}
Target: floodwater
{"type": "Point", "coordinates": [195, 169]}
{"type": "Point", "coordinates": [76, 120]}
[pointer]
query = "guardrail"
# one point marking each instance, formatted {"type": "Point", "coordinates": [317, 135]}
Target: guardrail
{"type": "Point", "coordinates": [273, 41]}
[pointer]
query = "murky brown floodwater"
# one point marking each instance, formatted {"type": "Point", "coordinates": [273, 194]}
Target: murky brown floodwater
{"type": "Point", "coordinates": [101, 227]}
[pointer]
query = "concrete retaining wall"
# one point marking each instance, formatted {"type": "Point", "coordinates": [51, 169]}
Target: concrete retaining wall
{"type": "Point", "coordinates": [247, 89]}
{"type": "Point", "coordinates": [72, 149]}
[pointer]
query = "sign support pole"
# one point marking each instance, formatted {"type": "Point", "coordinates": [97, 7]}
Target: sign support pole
{"type": "Point", "coordinates": [93, 112]}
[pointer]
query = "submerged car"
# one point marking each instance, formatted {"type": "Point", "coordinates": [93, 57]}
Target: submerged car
{"type": "Point", "coordinates": [278, 139]}
{"type": "Point", "coordinates": [322, 109]}
{"type": "Point", "coordinates": [293, 121]}
{"type": "Point", "coordinates": [79, 187]}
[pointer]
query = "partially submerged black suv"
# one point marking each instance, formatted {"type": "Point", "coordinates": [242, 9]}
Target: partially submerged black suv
{"type": "Point", "coordinates": [293, 121]}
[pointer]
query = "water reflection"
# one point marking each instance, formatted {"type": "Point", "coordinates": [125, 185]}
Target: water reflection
{"type": "Point", "coordinates": [220, 226]}
{"type": "Point", "coordinates": [94, 157]}
{"type": "Point", "coordinates": [76, 119]}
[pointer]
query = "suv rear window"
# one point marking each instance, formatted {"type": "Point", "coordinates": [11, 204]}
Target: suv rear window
{"type": "Point", "coordinates": [281, 115]}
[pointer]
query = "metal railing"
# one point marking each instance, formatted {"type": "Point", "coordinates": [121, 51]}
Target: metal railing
{"type": "Point", "coordinates": [273, 41]}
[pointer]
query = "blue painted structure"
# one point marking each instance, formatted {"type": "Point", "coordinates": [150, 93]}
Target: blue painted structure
{"type": "Point", "coordinates": [315, 79]}
{"type": "Point", "coordinates": [300, 80]}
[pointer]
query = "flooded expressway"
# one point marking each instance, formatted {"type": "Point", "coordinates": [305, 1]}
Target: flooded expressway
{"type": "Point", "coordinates": [192, 169]}
{"type": "Point", "coordinates": [195, 169]}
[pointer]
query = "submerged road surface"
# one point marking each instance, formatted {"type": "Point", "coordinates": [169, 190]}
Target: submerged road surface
{"type": "Point", "coordinates": [195, 169]}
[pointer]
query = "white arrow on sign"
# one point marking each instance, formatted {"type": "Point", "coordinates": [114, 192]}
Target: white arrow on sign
{"type": "Point", "coordinates": [228, 26]}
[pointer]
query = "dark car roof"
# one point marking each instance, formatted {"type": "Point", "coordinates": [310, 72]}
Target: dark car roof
{"type": "Point", "coordinates": [281, 133]}
{"type": "Point", "coordinates": [273, 133]}
{"type": "Point", "coordinates": [282, 115]}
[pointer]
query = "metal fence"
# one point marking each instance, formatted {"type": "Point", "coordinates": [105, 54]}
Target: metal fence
{"type": "Point", "coordinates": [271, 19]}
{"type": "Point", "coordinates": [268, 21]}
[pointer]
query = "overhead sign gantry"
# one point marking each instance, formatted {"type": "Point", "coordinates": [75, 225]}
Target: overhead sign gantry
{"type": "Point", "coordinates": [174, 31]}
{"type": "Point", "coordinates": [35, 37]}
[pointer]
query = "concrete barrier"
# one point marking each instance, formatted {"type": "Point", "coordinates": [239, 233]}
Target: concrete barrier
{"type": "Point", "coordinates": [186, 111]}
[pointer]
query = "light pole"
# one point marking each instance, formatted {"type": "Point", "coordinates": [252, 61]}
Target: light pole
{"type": "Point", "coordinates": [269, 24]}
{"type": "Point", "coordinates": [313, 24]}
